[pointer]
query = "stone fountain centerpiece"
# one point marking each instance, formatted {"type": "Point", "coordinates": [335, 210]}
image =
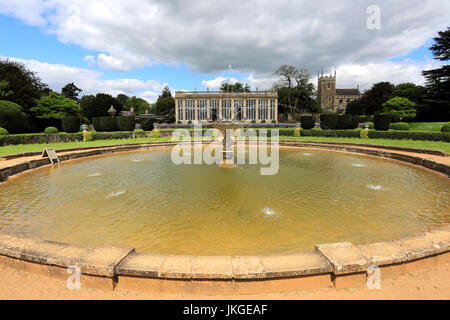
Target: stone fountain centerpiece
{"type": "Point", "coordinates": [228, 139]}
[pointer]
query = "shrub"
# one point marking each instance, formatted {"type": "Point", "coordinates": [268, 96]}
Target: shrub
{"type": "Point", "coordinates": [345, 121]}
{"type": "Point", "coordinates": [328, 121]}
{"type": "Point", "coordinates": [148, 124]}
{"type": "Point", "coordinates": [179, 122]}
{"type": "Point", "coordinates": [253, 121]}
{"type": "Point", "coordinates": [189, 122]}
{"type": "Point", "coordinates": [263, 121]}
{"type": "Point", "coordinates": [96, 124]}
{"type": "Point", "coordinates": [139, 133]}
{"type": "Point", "coordinates": [126, 123]}
{"type": "Point", "coordinates": [87, 136]}
{"type": "Point", "coordinates": [331, 133]}
{"type": "Point", "coordinates": [50, 130]}
{"type": "Point", "coordinates": [364, 133]}
{"type": "Point", "coordinates": [3, 132]}
{"type": "Point", "coordinates": [274, 121]}
{"type": "Point", "coordinates": [410, 135]}
{"type": "Point", "coordinates": [307, 122]}
{"type": "Point", "coordinates": [371, 126]}
{"type": "Point", "coordinates": [382, 121]}
{"type": "Point", "coordinates": [399, 126]}
{"type": "Point", "coordinates": [13, 118]}
{"type": "Point", "coordinates": [297, 132]}
{"type": "Point", "coordinates": [445, 127]}
{"type": "Point", "coordinates": [71, 124]}
{"type": "Point", "coordinates": [354, 122]}
{"type": "Point", "coordinates": [156, 133]}
{"type": "Point", "coordinates": [108, 124]}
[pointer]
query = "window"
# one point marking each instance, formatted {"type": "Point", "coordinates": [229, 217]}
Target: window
{"type": "Point", "coordinates": [251, 109]}
{"type": "Point", "coordinates": [190, 110]}
{"type": "Point", "coordinates": [262, 110]}
{"type": "Point", "coordinates": [213, 109]}
{"type": "Point", "coordinates": [180, 110]}
{"type": "Point", "coordinates": [272, 109]}
{"type": "Point", "coordinates": [329, 85]}
{"type": "Point", "coordinates": [226, 109]}
{"type": "Point", "coordinates": [238, 109]}
{"type": "Point", "coordinates": [201, 110]}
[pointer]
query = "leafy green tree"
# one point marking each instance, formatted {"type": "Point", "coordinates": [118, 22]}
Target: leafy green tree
{"type": "Point", "coordinates": [71, 91]}
{"type": "Point", "coordinates": [355, 107]}
{"type": "Point", "coordinates": [165, 106]}
{"type": "Point", "coordinates": [140, 105]}
{"type": "Point", "coordinates": [296, 93]}
{"type": "Point", "coordinates": [400, 108]}
{"type": "Point", "coordinates": [236, 87]}
{"type": "Point", "coordinates": [4, 89]}
{"type": "Point", "coordinates": [98, 105]}
{"type": "Point", "coordinates": [55, 106]}
{"type": "Point", "coordinates": [26, 87]}
{"type": "Point", "coordinates": [438, 82]}
{"type": "Point", "coordinates": [123, 98]}
{"type": "Point", "coordinates": [374, 98]}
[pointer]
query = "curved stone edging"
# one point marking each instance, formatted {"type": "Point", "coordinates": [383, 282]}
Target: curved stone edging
{"type": "Point", "coordinates": [340, 264]}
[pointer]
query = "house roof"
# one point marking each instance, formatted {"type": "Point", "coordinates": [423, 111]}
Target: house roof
{"type": "Point", "coordinates": [348, 92]}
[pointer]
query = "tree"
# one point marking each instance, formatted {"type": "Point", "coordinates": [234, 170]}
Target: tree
{"type": "Point", "coordinates": [55, 106]}
{"type": "Point", "coordinates": [165, 105]}
{"type": "Point", "coordinates": [71, 91]}
{"type": "Point", "coordinates": [4, 89]}
{"type": "Point", "coordinates": [236, 87]}
{"type": "Point", "coordinates": [25, 86]}
{"type": "Point", "coordinates": [140, 105]}
{"type": "Point", "coordinates": [355, 107]}
{"type": "Point", "coordinates": [123, 98]}
{"type": "Point", "coordinates": [374, 98]}
{"type": "Point", "coordinates": [98, 105]}
{"type": "Point", "coordinates": [400, 108]}
{"type": "Point", "coordinates": [438, 82]}
{"type": "Point", "coordinates": [296, 93]}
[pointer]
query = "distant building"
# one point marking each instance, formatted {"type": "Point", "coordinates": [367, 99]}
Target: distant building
{"type": "Point", "coordinates": [332, 99]}
{"type": "Point", "coordinates": [206, 106]}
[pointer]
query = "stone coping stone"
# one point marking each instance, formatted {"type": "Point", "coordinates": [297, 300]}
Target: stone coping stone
{"type": "Point", "coordinates": [141, 265]}
{"type": "Point", "coordinates": [247, 267]}
{"type": "Point", "coordinates": [100, 261]}
{"type": "Point", "coordinates": [344, 257]}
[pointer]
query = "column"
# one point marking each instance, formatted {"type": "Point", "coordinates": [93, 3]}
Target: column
{"type": "Point", "coordinates": [257, 110]}
{"type": "Point", "coordinates": [184, 111]}
{"type": "Point", "coordinates": [276, 110]}
{"type": "Point", "coordinates": [244, 109]}
{"type": "Point", "coordinates": [233, 112]}
{"type": "Point", "coordinates": [195, 109]}
{"type": "Point", "coordinates": [219, 118]}
{"type": "Point", "coordinates": [208, 104]}
{"type": "Point", "coordinates": [176, 110]}
{"type": "Point", "coordinates": [269, 110]}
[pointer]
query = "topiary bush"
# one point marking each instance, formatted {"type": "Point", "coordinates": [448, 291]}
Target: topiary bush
{"type": "Point", "coordinates": [382, 121]}
{"type": "Point", "coordinates": [354, 122]}
{"type": "Point", "coordinates": [307, 122]}
{"type": "Point", "coordinates": [126, 123]}
{"type": "Point", "coordinates": [364, 133]}
{"type": "Point", "coordinates": [156, 133]}
{"type": "Point", "coordinates": [71, 124]}
{"type": "Point", "coordinates": [328, 121]}
{"type": "Point", "coordinates": [139, 133]}
{"type": "Point", "coordinates": [148, 125]}
{"type": "Point", "coordinates": [13, 118]}
{"type": "Point", "coordinates": [399, 126]}
{"type": "Point", "coordinates": [445, 127]}
{"type": "Point", "coordinates": [96, 124]}
{"type": "Point", "coordinates": [345, 121]}
{"type": "Point", "coordinates": [51, 130]}
{"type": "Point", "coordinates": [3, 132]}
{"type": "Point", "coordinates": [108, 124]}
{"type": "Point", "coordinates": [297, 132]}
{"type": "Point", "coordinates": [87, 136]}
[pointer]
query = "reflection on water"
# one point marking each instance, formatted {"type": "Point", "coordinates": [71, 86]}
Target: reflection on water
{"type": "Point", "coordinates": [156, 206]}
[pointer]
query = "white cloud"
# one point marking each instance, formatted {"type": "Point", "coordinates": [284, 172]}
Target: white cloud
{"type": "Point", "coordinates": [254, 37]}
{"type": "Point", "coordinates": [90, 60]}
{"type": "Point", "coordinates": [58, 75]}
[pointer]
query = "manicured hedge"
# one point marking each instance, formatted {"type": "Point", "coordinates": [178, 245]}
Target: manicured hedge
{"type": "Point", "coordinates": [71, 124]}
{"type": "Point", "coordinates": [126, 123]}
{"type": "Point", "coordinates": [445, 127]}
{"type": "Point", "coordinates": [13, 118]}
{"type": "Point", "coordinates": [3, 132]}
{"type": "Point", "coordinates": [410, 135]}
{"type": "Point", "coordinates": [328, 121]}
{"type": "Point", "coordinates": [382, 121]}
{"type": "Point", "coordinates": [148, 124]}
{"type": "Point", "coordinates": [345, 121]}
{"type": "Point", "coordinates": [51, 130]}
{"type": "Point", "coordinates": [307, 122]}
{"type": "Point", "coordinates": [96, 124]}
{"type": "Point", "coordinates": [399, 126]}
{"type": "Point", "coordinates": [108, 124]}
{"type": "Point", "coordinates": [330, 133]}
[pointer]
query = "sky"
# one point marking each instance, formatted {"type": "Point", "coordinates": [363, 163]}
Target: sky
{"type": "Point", "coordinates": [137, 47]}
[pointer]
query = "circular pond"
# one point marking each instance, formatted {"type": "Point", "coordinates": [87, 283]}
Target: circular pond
{"type": "Point", "coordinates": [145, 201]}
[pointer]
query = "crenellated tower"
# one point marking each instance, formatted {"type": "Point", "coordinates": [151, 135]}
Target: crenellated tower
{"type": "Point", "coordinates": [326, 90]}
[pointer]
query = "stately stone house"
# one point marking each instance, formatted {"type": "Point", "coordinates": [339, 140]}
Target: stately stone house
{"type": "Point", "coordinates": [206, 106]}
{"type": "Point", "coordinates": [332, 99]}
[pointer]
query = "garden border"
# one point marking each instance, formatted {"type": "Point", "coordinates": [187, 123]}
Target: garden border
{"type": "Point", "coordinates": [338, 264]}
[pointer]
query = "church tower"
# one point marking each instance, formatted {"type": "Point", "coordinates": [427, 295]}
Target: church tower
{"type": "Point", "coordinates": [326, 90]}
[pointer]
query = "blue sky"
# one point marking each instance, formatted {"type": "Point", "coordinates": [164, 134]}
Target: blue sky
{"type": "Point", "coordinates": [138, 47]}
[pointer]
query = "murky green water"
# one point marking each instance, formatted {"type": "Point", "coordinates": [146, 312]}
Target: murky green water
{"type": "Point", "coordinates": [145, 201]}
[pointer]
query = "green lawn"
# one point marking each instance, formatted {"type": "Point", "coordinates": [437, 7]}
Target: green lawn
{"type": "Point", "coordinates": [14, 149]}
{"type": "Point", "coordinates": [426, 126]}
